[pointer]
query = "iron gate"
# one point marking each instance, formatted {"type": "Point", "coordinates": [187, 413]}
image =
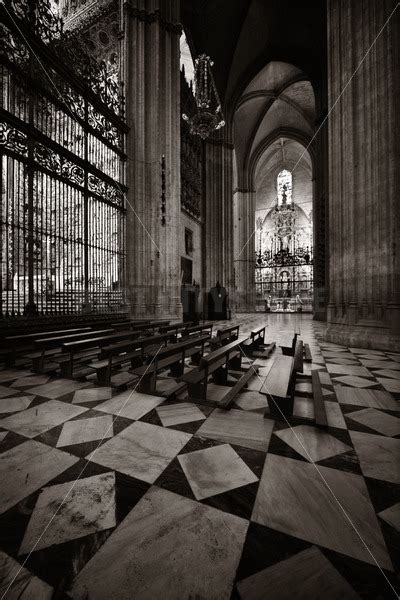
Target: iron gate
{"type": "Point", "coordinates": [62, 170]}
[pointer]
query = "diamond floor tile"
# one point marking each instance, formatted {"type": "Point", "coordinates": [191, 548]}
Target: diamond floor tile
{"type": "Point", "coordinates": [215, 471]}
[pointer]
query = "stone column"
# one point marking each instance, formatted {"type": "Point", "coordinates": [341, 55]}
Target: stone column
{"type": "Point", "coordinates": [364, 135]}
{"type": "Point", "coordinates": [218, 215]}
{"type": "Point", "coordinates": [152, 84]}
{"type": "Point", "coordinates": [244, 249]}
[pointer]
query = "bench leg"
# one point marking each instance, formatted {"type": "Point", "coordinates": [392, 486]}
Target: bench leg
{"type": "Point", "coordinates": [220, 376]}
{"type": "Point", "coordinates": [147, 383]}
{"type": "Point", "coordinates": [177, 368]}
{"type": "Point", "coordinates": [195, 360]}
{"type": "Point", "coordinates": [103, 376]}
{"type": "Point", "coordinates": [236, 362]}
{"type": "Point", "coordinates": [280, 407]}
{"type": "Point", "coordinates": [38, 364]}
{"type": "Point", "coordinates": [198, 391]}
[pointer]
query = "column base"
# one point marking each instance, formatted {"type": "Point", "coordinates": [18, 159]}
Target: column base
{"type": "Point", "coordinates": [373, 338]}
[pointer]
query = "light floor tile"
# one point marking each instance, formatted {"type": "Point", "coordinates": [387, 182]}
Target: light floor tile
{"type": "Point", "coordinates": [10, 374]}
{"type": "Point", "coordinates": [15, 404]}
{"type": "Point", "coordinates": [33, 380]}
{"type": "Point", "coordinates": [141, 450]}
{"type": "Point", "coordinates": [391, 373]}
{"type": "Point", "coordinates": [293, 498]}
{"type": "Point", "coordinates": [130, 404]}
{"type": "Point", "coordinates": [17, 583]}
{"type": "Point", "coordinates": [6, 391]}
{"type": "Point", "coordinates": [308, 573]}
{"type": "Point", "coordinates": [3, 435]}
{"type": "Point", "coordinates": [378, 420]}
{"type": "Point", "coordinates": [334, 415]}
{"type": "Point", "coordinates": [357, 382]}
{"type": "Point", "coordinates": [252, 401]}
{"type": "Point", "coordinates": [325, 378]}
{"type": "Point", "coordinates": [312, 443]}
{"type": "Point", "coordinates": [167, 546]}
{"type": "Point", "coordinates": [216, 393]}
{"type": "Point", "coordinates": [379, 456]}
{"type": "Point", "coordinates": [395, 357]}
{"type": "Point", "coordinates": [391, 385]}
{"type": "Point", "coordinates": [58, 387]}
{"type": "Point", "coordinates": [392, 516]}
{"type": "Point", "coordinates": [215, 471]}
{"type": "Point", "coordinates": [184, 412]}
{"type": "Point", "coordinates": [37, 420]}
{"type": "Point", "coordinates": [372, 365]}
{"type": "Point", "coordinates": [303, 407]}
{"type": "Point", "coordinates": [32, 465]}
{"type": "Point", "coordinates": [304, 387]}
{"type": "Point", "coordinates": [239, 427]}
{"type": "Point", "coordinates": [85, 508]}
{"type": "Point", "coordinates": [369, 398]}
{"type": "Point", "coordinates": [347, 370]}
{"type": "Point", "coordinates": [92, 395]}
{"type": "Point", "coordinates": [86, 430]}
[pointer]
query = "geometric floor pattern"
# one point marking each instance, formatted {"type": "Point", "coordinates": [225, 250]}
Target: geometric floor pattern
{"type": "Point", "coordinates": [123, 495]}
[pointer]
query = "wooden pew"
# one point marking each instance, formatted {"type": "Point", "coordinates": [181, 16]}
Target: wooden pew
{"type": "Point", "coordinates": [174, 329]}
{"type": "Point", "coordinates": [225, 336]}
{"type": "Point", "coordinates": [84, 350]}
{"type": "Point", "coordinates": [197, 329]}
{"type": "Point", "coordinates": [116, 355]}
{"type": "Point", "coordinates": [256, 343]}
{"type": "Point", "coordinates": [217, 364]}
{"type": "Point", "coordinates": [130, 325]}
{"type": "Point", "coordinates": [289, 350]}
{"type": "Point", "coordinates": [320, 415]}
{"type": "Point", "coordinates": [192, 347]}
{"type": "Point", "coordinates": [23, 343]}
{"type": "Point", "coordinates": [279, 384]}
{"type": "Point", "coordinates": [50, 347]}
{"type": "Point", "coordinates": [307, 353]}
{"type": "Point", "coordinates": [171, 357]}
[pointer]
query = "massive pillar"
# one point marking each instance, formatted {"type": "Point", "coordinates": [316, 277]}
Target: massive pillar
{"type": "Point", "coordinates": [218, 215]}
{"type": "Point", "coordinates": [364, 137]}
{"type": "Point", "coordinates": [152, 84]}
{"type": "Point", "coordinates": [244, 249]}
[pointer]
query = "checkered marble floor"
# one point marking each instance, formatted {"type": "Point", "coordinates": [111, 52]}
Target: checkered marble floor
{"type": "Point", "coordinates": [125, 495]}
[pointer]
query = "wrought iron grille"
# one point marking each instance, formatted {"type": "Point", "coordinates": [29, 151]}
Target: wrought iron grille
{"type": "Point", "coordinates": [62, 171]}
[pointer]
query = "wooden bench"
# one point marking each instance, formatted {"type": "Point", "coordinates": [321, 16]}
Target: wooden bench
{"type": "Point", "coordinates": [256, 343]}
{"type": "Point", "coordinates": [225, 336]}
{"type": "Point", "coordinates": [174, 329]}
{"type": "Point", "coordinates": [197, 329]}
{"type": "Point", "coordinates": [20, 344]}
{"type": "Point", "coordinates": [130, 325]}
{"type": "Point", "coordinates": [116, 355]}
{"type": "Point", "coordinates": [82, 351]}
{"type": "Point", "coordinates": [320, 415]}
{"type": "Point", "coordinates": [49, 347]}
{"type": "Point", "coordinates": [289, 350]}
{"type": "Point", "coordinates": [279, 384]}
{"type": "Point", "coordinates": [192, 347]}
{"type": "Point", "coordinates": [217, 364]}
{"type": "Point", "coordinates": [307, 353]}
{"type": "Point", "coordinates": [171, 357]}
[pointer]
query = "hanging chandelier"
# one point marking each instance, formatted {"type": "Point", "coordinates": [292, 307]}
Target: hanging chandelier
{"type": "Point", "coordinates": [208, 116]}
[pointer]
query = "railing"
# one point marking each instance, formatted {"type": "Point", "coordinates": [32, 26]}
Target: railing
{"type": "Point", "coordinates": [62, 171]}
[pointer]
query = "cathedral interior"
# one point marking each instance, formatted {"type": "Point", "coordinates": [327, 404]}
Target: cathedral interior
{"type": "Point", "coordinates": [200, 299]}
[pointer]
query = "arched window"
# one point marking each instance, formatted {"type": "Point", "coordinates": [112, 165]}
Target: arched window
{"type": "Point", "coordinates": [284, 185]}
{"type": "Point", "coordinates": [186, 59]}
